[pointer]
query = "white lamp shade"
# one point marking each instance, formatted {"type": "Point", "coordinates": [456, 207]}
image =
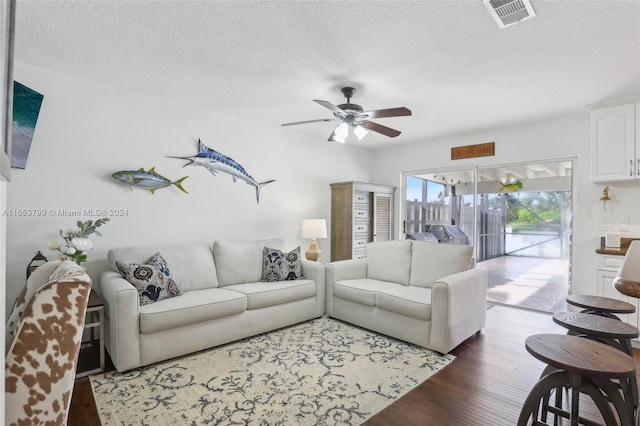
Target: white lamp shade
{"type": "Point", "coordinates": [314, 228]}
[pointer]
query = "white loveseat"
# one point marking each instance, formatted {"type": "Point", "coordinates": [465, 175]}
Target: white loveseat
{"type": "Point", "coordinates": [222, 299]}
{"type": "Point", "coordinates": [420, 292]}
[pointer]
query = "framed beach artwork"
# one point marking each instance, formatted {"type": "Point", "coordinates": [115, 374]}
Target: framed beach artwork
{"type": "Point", "coordinates": [26, 107]}
{"type": "Point", "coordinates": [7, 19]}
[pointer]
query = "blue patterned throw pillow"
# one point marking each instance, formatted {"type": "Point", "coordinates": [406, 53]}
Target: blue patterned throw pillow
{"type": "Point", "coordinates": [280, 266]}
{"type": "Point", "coordinates": [152, 279]}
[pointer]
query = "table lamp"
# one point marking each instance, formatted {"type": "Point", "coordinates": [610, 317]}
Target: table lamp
{"type": "Point", "coordinates": [314, 228]}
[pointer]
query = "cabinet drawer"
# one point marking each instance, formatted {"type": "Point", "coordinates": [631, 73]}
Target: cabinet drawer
{"type": "Point", "coordinates": [362, 236]}
{"type": "Point", "coordinates": [608, 262]}
{"type": "Point", "coordinates": [361, 198]}
{"type": "Point", "coordinates": [360, 243]}
{"type": "Point", "coordinates": [361, 228]}
{"type": "Point", "coordinates": [360, 213]}
{"type": "Point", "coordinates": [359, 253]}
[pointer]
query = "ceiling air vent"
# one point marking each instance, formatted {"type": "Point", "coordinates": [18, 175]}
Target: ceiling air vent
{"type": "Point", "coordinates": [509, 12]}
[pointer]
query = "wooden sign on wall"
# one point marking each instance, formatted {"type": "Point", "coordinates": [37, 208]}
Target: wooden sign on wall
{"type": "Point", "coordinates": [471, 151]}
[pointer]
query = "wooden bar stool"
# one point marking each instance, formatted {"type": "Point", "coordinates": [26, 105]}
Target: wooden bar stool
{"type": "Point", "coordinates": [598, 305]}
{"type": "Point", "coordinates": [603, 329]}
{"type": "Point", "coordinates": [609, 331]}
{"type": "Point", "coordinates": [583, 365]}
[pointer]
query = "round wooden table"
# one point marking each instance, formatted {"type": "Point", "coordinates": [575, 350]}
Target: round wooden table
{"type": "Point", "coordinates": [583, 365]}
{"type": "Point", "coordinates": [598, 305]}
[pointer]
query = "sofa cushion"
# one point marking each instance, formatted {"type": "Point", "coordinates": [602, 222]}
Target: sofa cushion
{"type": "Point", "coordinates": [261, 294]}
{"type": "Point", "coordinates": [406, 300]}
{"type": "Point", "coordinates": [152, 279]}
{"type": "Point", "coordinates": [239, 263]}
{"type": "Point", "coordinates": [362, 290]}
{"type": "Point", "coordinates": [192, 265]}
{"type": "Point", "coordinates": [280, 266]}
{"type": "Point", "coordinates": [432, 261]}
{"type": "Point", "coordinates": [389, 261]}
{"type": "Point", "coordinates": [190, 308]}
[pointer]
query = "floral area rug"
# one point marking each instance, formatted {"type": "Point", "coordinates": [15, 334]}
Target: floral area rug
{"type": "Point", "coordinates": [321, 372]}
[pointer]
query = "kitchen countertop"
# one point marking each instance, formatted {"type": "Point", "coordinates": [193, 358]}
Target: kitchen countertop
{"type": "Point", "coordinates": [618, 251]}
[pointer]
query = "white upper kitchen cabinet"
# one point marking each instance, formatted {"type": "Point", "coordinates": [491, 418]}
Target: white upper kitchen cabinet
{"type": "Point", "coordinates": [615, 142]}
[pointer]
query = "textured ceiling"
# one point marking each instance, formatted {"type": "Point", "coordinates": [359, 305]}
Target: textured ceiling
{"type": "Point", "coordinates": [266, 60]}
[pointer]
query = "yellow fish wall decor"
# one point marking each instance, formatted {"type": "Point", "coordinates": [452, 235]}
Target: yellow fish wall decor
{"type": "Point", "coordinates": [512, 186]}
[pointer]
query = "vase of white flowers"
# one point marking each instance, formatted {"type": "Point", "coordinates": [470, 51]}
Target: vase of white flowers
{"type": "Point", "coordinates": [77, 242]}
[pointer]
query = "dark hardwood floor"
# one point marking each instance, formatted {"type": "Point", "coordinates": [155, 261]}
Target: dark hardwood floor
{"type": "Point", "coordinates": [485, 385]}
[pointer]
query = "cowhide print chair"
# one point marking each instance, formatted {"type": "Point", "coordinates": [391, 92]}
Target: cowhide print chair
{"type": "Point", "coordinates": [44, 333]}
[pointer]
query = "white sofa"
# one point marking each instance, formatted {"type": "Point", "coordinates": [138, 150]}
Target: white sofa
{"type": "Point", "coordinates": [420, 292]}
{"type": "Point", "coordinates": [222, 299]}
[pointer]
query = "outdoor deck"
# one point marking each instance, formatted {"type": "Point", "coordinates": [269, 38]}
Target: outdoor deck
{"type": "Point", "coordinates": [528, 282]}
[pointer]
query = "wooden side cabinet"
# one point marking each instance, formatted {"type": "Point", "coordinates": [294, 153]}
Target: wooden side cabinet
{"type": "Point", "coordinates": [360, 213]}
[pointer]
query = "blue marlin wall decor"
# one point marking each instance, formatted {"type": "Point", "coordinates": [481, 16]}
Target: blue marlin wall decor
{"type": "Point", "coordinates": [215, 161]}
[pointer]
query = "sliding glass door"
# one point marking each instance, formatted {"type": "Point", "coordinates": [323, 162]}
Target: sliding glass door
{"type": "Point", "coordinates": [517, 216]}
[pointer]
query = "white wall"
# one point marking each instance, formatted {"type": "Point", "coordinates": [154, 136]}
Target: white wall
{"type": "Point", "coordinates": [3, 275]}
{"type": "Point", "coordinates": [560, 137]}
{"type": "Point", "coordinates": [86, 131]}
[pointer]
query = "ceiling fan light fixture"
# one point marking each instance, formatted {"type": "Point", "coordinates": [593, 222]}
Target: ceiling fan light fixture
{"type": "Point", "coordinates": [360, 132]}
{"type": "Point", "coordinates": [340, 133]}
{"type": "Point", "coordinates": [354, 121]}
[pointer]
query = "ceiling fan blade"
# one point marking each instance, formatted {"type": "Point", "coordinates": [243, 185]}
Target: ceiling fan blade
{"type": "Point", "coordinates": [331, 107]}
{"type": "Point", "coordinates": [383, 113]}
{"type": "Point", "coordinates": [375, 127]}
{"type": "Point", "coordinates": [309, 121]}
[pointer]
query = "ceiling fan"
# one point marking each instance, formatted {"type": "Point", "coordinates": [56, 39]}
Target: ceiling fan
{"type": "Point", "coordinates": [354, 120]}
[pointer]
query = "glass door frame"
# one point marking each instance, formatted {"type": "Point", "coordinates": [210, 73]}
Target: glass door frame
{"type": "Point", "coordinates": [475, 169]}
